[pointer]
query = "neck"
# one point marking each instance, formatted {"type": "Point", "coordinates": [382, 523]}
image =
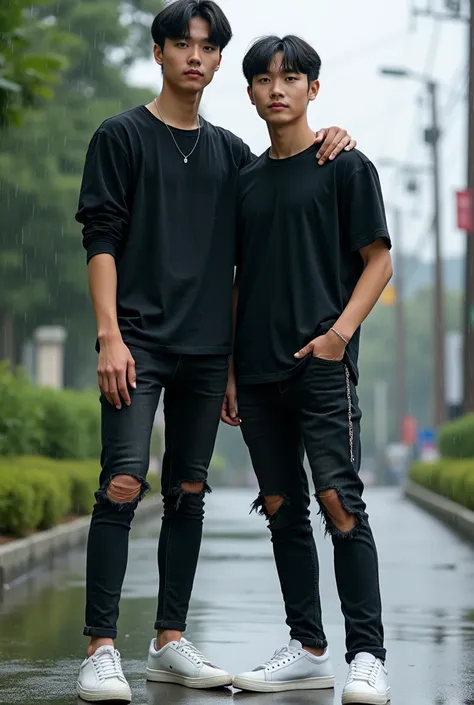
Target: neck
{"type": "Point", "coordinates": [291, 139]}
{"type": "Point", "coordinates": [178, 109]}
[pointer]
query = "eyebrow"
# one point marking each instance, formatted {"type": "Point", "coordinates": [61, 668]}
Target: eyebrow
{"type": "Point", "coordinates": [204, 39]}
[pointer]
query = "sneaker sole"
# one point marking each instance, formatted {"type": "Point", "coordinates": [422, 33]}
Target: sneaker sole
{"type": "Point", "coordinates": [272, 687]}
{"type": "Point", "coordinates": [361, 699]}
{"type": "Point", "coordinates": [92, 696]}
{"type": "Point", "coordinates": [198, 683]}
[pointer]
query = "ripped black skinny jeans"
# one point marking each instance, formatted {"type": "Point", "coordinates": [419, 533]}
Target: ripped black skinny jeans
{"type": "Point", "coordinates": [194, 387]}
{"type": "Point", "coordinates": [315, 410]}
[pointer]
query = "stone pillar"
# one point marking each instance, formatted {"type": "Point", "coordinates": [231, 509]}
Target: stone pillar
{"type": "Point", "coordinates": [49, 356]}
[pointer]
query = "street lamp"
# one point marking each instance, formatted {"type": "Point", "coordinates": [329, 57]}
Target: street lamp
{"type": "Point", "coordinates": [432, 137]}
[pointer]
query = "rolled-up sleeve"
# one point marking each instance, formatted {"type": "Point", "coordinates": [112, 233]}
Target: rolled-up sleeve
{"type": "Point", "coordinates": [103, 201]}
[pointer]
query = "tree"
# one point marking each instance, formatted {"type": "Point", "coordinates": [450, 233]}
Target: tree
{"type": "Point", "coordinates": [27, 75]}
{"type": "Point", "coordinates": [41, 258]}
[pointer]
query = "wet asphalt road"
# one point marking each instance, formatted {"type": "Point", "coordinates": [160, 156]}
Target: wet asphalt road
{"type": "Point", "coordinates": [237, 618]}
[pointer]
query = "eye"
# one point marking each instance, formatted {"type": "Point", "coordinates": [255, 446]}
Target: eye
{"type": "Point", "coordinates": [181, 45]}
{"type": "Point", "coordinates": [291, 79]}
{"type": "Point", "coordinates": [264, 79]}
{"type": "Point", "coordinates": [209, 49]}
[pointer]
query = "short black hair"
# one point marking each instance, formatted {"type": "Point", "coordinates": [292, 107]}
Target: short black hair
{"type": "Point", "coordinates": [173, 22]}
{"type": "Point", "coordinates": [298, 57]}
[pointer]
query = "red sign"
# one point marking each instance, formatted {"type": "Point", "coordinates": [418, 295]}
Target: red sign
{"type": "Point", "coordinates": [409, 430]}
{"type": "Point", "coordinates": [464, 210]}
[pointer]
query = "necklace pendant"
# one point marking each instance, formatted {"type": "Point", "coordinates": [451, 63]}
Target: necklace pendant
{"type": "Point", "coordinates": [185, 160]}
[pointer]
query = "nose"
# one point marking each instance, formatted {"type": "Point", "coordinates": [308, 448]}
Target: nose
{"type": "Point", "coordinates": [195, 58]}
{"type": "Point", "coordinates": [277, 90]}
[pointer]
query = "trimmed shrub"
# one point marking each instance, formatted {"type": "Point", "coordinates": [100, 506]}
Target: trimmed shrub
{"type": "Point", "coordinates": [70, 424]}
{"type": "Point", "coordinates": [451, 478]}
{"type": "Point", "coordinates": [37, 493]}
{"type": "Point", "coordinates": [19, 510]}
{"type": "Point", "coordinates": [20, 415]}
{"type": "Point", "coordinates": [37, 421]}
{"type": "Point", "coordinates": [456, 439]}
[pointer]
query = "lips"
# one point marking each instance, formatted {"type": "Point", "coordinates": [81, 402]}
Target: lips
{"type": "Point", "coordinates": [193, 73]}
{"type": "Point", "coordinates": [277, 106]}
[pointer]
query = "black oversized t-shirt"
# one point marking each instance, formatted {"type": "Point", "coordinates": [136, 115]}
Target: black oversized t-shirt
{"type": "Point", "coordinates": [170, 227]}
{"type": "Point", "coordinates": [301, 227]}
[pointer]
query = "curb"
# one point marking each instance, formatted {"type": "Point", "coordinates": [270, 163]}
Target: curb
{"type": "Point", "coordinates": [454, 515]}
{"type": "Point", "coordinates": [22, 556]}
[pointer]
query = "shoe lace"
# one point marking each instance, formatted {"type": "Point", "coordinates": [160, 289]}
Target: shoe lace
{"type": "Point", "coordinates": [280, 657]}
{"type": "Point", "coordinates": [107, 665]}
{"type": "Point", "coordinates": [365, 670]}
{"type": "Point", "coordinates": [187, 648]}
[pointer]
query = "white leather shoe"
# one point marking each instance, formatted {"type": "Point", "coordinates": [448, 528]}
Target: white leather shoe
{"type": "Point", "coordinates": [101, 677]}
{"type": "Point", "coordinates": [180, 662]}
{"type": "Point", "coordinates": [290, 668]}
{"type": "Point", "coordinates": [367, 682]}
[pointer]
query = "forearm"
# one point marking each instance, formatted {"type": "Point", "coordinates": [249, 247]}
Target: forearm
{"type": "Point", "coordinates": [374, 279]}
{"type": "Point", "coordinates": [235, 301]}
{"type": "Point", "coordinates": [103, 289]}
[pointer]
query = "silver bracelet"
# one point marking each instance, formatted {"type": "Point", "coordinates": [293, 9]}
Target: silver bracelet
{"type": "Point", "coordinates": [340, 336]}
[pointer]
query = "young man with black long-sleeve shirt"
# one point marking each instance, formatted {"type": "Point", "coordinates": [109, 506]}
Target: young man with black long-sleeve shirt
{"type": "Point", "coordinates": [158, 206]}
{"type": "Point", "coordinates": [313, 260]}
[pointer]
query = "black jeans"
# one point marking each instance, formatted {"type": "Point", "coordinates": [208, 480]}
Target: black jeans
{"type": "Point", "coordinates": [194, 390]}
{"type": "Point", "coordinates": [315, 410]}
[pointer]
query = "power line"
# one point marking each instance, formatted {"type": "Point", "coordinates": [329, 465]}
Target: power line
{"type": "Point", "coordinates": [431, 55]}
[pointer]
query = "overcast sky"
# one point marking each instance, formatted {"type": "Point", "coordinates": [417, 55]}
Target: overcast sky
{"type": "Point", "coordinates": [386, 116]}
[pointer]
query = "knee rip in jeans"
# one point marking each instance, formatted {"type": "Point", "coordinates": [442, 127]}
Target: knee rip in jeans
{"type": "Point", "coordinates": [269, 505]}
{"type": "Point", "coordinates": [188, 488]}
{"type": "Point", "coordinates": [341, 521]}
{"type": "Point", "coordinates": [123, 491]}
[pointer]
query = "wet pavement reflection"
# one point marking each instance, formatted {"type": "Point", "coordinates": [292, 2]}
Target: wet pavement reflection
{"type": "Point", "coordinates": [237, 618]}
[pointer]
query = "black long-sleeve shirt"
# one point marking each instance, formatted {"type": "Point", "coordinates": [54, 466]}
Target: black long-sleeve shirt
{"type": "Point", "coordinates": [171, 227]}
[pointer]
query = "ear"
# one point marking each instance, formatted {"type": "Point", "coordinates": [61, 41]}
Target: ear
{"type": "Point", "coordinates": [250, 94]}
{"type": "Point", "coordinates": [313, 90]}
{"type": "Point", "coordinates": [158, 54]}
{"type": "Point", "coordinates": [219, 64]}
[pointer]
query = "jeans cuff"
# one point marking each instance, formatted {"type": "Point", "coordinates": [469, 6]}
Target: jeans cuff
{"type": "Point", "coordinates": [312, 643]}
{"type": "Point", "coordinates": [100, 632]}
{"type": "Point", "coordinates": [167, 624]}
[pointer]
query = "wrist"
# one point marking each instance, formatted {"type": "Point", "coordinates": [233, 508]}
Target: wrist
{"type": "Point", "coordinates": [341, 335]}
{"type": "Point", "coordinates": [109, 335]}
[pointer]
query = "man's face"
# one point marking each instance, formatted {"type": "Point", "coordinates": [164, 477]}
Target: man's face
{"type": "Point", "coordinates": [281, 98]}
{"type": "Point", "coordinates": [190, 63]}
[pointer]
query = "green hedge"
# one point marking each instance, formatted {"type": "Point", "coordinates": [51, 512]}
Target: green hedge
{"type": "Point", "coordinates": [37, 493]}
{"type": "Point", "coordinates": [36, 421]}
{"type": "Point", "coordinates": [448, 477]}
{"type": "Point", "coordinates": [456, 439]}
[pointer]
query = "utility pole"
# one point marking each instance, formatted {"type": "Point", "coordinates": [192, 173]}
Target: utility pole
{"type": "Point", "coordinates": [432, 137]}
{"type": "Point", "coordinates": [468, 313]}
{"type": "Point", "coordinates": [454, 11]}
{"type": "Point", "coordinates": [400, 331]}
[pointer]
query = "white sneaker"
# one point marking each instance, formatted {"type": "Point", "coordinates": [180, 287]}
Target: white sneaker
{"type": "Point", "coordinates": [290, 668]}
{"type": "Point", "coordinates": [367, 682]}
{"type": "Point", "coordinates": [101, 677]}
{"type": "Point", "coordinates": [180, 662]}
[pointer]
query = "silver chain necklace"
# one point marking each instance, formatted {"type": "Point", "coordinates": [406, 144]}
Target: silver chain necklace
{"type": "Point", "coordinates": [185, 156]}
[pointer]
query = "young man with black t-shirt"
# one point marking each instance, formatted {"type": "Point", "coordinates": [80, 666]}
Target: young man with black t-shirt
{"type": "Point", "coordinates": [313, 260]}
{"type": "Point", "coordinates": [158, 206]}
